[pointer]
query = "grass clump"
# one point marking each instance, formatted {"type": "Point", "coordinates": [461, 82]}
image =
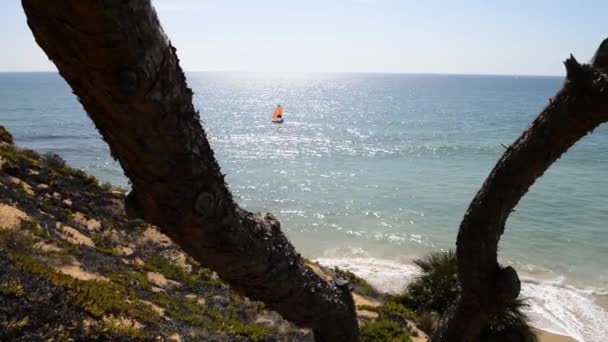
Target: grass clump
{"type": "Point", "coordinates": [12, 287]}
{"type": "Point", "coordinates": [53, 161]}
{"type": "Point", "coordinates": [98, 298]}
{"type": "Point", "coordinates": [191, 312]}
{"type": "Point", "coordinates": [392, 311]}
{"type": "Point", "coordinates": [16, 325]}
{"type": "Point", "coordinates": [187, 310]}
{"type": "Point", "coordinates": [437, 290]}
{"type": "Point", "coordinates": [70, 249]}
{"type": "Point", "coordinates": [383, 330]}
{"type": "Point", "coordinates": [198, 277]}
{"type": "Point", "coordinates": [252, 332]}
{"type": "Point", "coordinates": [15, 160]}
{"type": "Point", "coordinates": [103, 244]}
{"type": "Point", "coordinates": [16, 240]}
{"type": "Point", "coordinates": [131, 279]}
{"type": "Point", "coordinates": [34, 226]}
{"type": "Point", "coordinates": [167, 268]}
{"type": "Point", "coordinates": [122, 328]}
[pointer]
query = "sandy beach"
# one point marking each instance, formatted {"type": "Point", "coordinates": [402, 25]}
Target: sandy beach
{"type": "Point", "coordinates": [544, 336]}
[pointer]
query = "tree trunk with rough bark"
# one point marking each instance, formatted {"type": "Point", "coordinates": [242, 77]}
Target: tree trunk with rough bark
{"type": "Point", "coordinates": [126, 74]}
{"type": "Point", "coordinates": [578, 108]}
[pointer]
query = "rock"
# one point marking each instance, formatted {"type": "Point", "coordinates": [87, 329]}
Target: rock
{"type": "Point", "coordinates": [26, 187]}
{"type": "Point", "coordinates": [122, 322]}
{"type": "Point", "coordinates": [75, 237]}
{"type": "Point", "coordinates": [160, 280]}
{"type": "Point", "coordinates": [193, 297]}
{"type": "Point", "coordinates": [178, 258]}
{"type": "Point", "coordinates": [156, 289]}
{"type": "Point", "coordinates": [154, 307]}
{"type": "Point", "coordinates": [319, 270]}
{"type": "Point", "coordinates": [366, 314]}
{"type": "Point", "coordinates": [42, 186]}
{"type": "Point", "coordinates": [152, 234]}
{"type": "Point", "coordinates": [126, 251]}
{"type": "Point", "coordinates": [11, 217]}
{"type": "Point", "coordinates": [47, 247]}
{"type": "Point", "coordinates": [67, 202]}
{"type": "Point", "coordinates": [219, 300]}
{"type": "Point", "coordinates": [137, 262]}
{"type": "Point", "coordinates": [174, 338]}
{"type": "Point", "coordinates": [90, 224]}
{"type": "Point", "coordinates": [360, 300]}
{"type": "Point", "coordinates": [75, 270]}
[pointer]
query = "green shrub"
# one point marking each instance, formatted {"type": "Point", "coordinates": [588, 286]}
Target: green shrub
{"type": "Point", "coordinates": [437, 290]}
{"type": "Point", "coordinates": [191, 312]}
{"type": "Point", "coordinates": [18, 240]}
{"type": "Point", "coordinates": [131, 279]}
{"type": "Point", "coordinates": [383, 330]}
{"type": "Point", "coordinates": [12, 287]}
{"type": "Point", "coordinates": [396, 312]}
{"type": "Point", "coordinates": [115, 327]}
{"type": "Point", "coordinates": [103, 243]}
{"type": "Point", "coordinates": [510, 325]}
{"type": "Point", "coordinates": [15, 161]}
{"type": "Point", "coordinates": [438, 287]}
{"type": "Point", "coordinates": [33, 226]}
{"type": "Point", "coordinates": [6, 136]}
{"type": "Point", "coordinates": [253, 332]}
{"type": "Point", "coordinates": [98, 298]}
{"type": "Point", "coordinates": [53, 161]}
{"type": "Point", "coordinates": [198, 277]}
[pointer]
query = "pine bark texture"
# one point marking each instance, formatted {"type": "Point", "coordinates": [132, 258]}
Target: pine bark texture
{"type": "Point", "coordinates": [118, 61]}
{"type": "Point", "coordinates": [578, 108]}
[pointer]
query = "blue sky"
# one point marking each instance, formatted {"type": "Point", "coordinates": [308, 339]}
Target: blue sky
{"type": "Point", "coordinates": [466, 37]}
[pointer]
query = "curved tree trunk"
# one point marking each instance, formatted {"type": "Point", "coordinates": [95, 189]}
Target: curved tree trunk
{"type": "Point", "coordinates": [126, 74]}
{"type": "Point", "coordinates": [578, 108]}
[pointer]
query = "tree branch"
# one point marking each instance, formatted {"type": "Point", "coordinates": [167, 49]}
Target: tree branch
{"type": "Point", "coordinates": [126, 74]}
{"type": "Point", "coordinates": [578, 108]}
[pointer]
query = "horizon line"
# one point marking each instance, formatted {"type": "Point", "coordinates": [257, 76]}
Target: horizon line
{"type": "Point", "coordinates": [322, 72]}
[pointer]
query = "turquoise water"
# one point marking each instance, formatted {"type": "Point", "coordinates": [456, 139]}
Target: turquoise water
{"type": "Point", "coordinates": [371, 170]}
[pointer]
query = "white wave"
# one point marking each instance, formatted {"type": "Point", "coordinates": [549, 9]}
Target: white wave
{"type": "Point", "coordinates": [385, 275]}
{"type": "Point", "coordinates": [566, 310]}
{"type": "Point", "coordinates": [553, 307]}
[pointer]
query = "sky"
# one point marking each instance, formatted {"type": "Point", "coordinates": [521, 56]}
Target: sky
{"type": "Point", "coordinates": [510, 37]}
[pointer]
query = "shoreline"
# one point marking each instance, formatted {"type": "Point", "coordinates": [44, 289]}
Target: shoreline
{"type": "Point", "coordinates": [549, 302]}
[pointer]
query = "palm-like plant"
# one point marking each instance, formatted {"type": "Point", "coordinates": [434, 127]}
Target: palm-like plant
{"type": "Point", "coordinates": [437, 289]}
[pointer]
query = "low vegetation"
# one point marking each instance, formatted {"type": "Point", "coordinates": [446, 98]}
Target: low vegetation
{"type": "Point", "coordinates": [55, 288]}
{"type": "Point", "coordinates": [384, 330]}
{"type": "Point", "coordinates": [435, 292]}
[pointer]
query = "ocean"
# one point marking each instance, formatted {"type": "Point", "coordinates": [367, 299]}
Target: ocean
{"type": "Point", "coordinates": [370, 171]}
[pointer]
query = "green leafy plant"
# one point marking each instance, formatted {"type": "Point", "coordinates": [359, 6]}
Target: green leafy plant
{"type": "Point", "coordinates": [383, 330]}
{"type": "Point", "coordinates": [437, 289]}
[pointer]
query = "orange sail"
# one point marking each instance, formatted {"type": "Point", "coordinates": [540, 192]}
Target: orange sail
{"type": "Point", "coordinates": [278, 113]}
